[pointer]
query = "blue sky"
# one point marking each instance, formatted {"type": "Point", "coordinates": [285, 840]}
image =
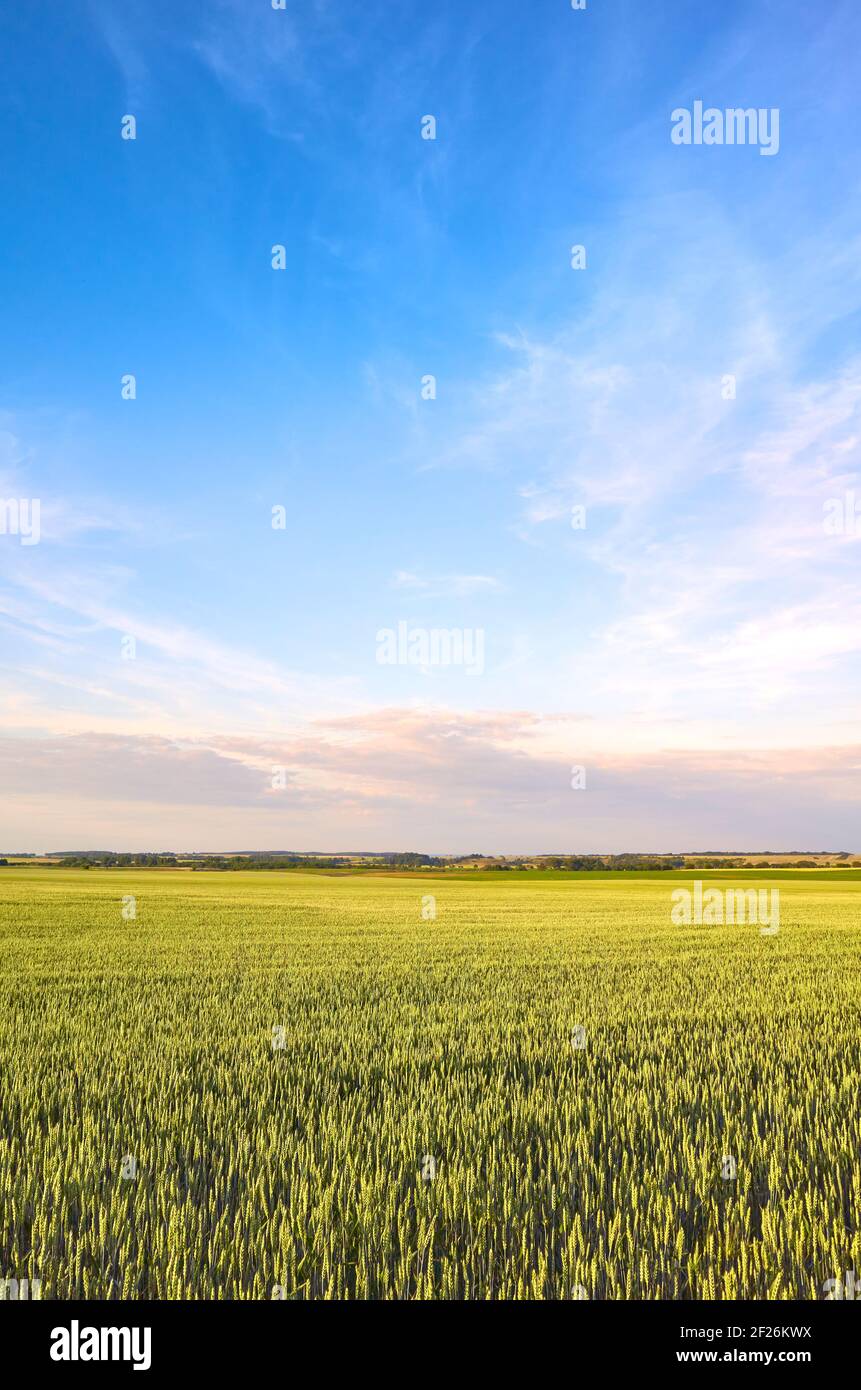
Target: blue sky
{"type": "Point", "coordinates": [695, 647]}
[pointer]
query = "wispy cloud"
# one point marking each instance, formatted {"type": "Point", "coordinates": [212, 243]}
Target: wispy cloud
{"type": "Point", "coordinates": [446, 585]}
{"type": "Point", "coordinates": [454, 775]}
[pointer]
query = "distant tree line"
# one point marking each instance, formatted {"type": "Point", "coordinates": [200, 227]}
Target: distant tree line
{"type": "Point", "coordinates": [412, 861]}
{"type": "Point", "coordinates": [104, 859]}
{"type": "Point", "coordinates": [621, 862]}
{"type": "Point", "coordinates": [580, 863]}
{"type": "Point", "coordinates": [231, 862]}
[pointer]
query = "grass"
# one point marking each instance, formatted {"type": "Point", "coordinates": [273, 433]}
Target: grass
{"type": "Point", "coordinates": [557, 1171]}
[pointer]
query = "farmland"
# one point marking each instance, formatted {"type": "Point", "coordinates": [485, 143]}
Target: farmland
{"type": "Point", "coordinates": [264, 1084]}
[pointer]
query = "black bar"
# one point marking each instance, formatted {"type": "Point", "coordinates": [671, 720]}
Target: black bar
{"type": "Point", "coordinates": [656, 1337]}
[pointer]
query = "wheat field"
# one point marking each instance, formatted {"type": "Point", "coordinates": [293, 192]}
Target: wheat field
{"type": "Point", "coordinates": [257, 1085]}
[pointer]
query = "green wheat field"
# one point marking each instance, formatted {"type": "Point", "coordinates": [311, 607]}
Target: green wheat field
{"type": "Point", "coordinates": [283, 1085]}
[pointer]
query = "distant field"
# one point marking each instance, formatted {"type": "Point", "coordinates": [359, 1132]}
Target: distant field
{"type": "Point", "coordinates": [626, 875]}
{"type": "Point", "coordinates": [542, 1093]}
{"type": "Point", "coordinates": [745, 875]}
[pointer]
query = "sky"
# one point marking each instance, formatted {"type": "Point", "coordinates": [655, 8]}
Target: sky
{"type": "Point", "coordinates": [373, 514]}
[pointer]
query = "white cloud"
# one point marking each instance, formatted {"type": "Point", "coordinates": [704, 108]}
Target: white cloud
{"type": "Point", "coordinates": [446, 585]}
